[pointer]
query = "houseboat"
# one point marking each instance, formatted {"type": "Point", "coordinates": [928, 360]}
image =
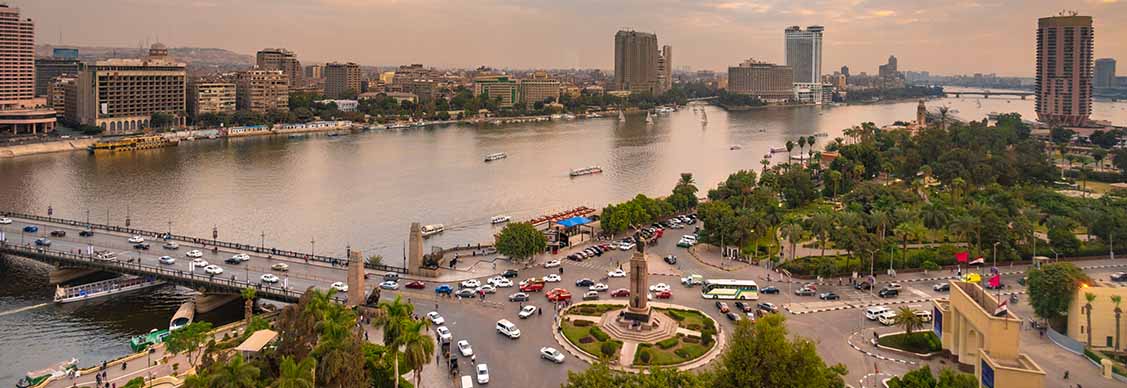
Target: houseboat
{"type": "Point", "coordinates": [586, 171]}
{"type": "Point", "coordinates": [433, 229]}
{"type": "Point", "coordinates": [495, 156]}
{"type": "Point", "coordinates": [499, 219]}
{"type": "Point", "coordinates": [131, 143]}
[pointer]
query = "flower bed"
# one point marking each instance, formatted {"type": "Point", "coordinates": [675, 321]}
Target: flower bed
{"type": "Point", "coordinates": [588, 339]}
{"type": "Point", "coordinates": [593, 310]}
{"type": "Point", "coordinates": [680, 351]}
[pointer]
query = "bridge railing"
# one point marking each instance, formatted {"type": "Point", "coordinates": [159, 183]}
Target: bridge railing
{"type": "Point", "coordinates": [138, 268]}
{"type": "Point", "coordinates": [204, 241]}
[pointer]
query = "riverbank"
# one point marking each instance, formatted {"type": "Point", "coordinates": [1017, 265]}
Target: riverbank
{"type": "Point", "coordinates": [62, 145]}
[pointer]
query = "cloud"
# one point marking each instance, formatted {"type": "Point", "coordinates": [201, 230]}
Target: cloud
{"type": "Point", "coordinates": [883, 13]}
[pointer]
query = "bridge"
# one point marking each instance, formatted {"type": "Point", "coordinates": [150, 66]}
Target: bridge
{"type": "Point", "coordinates": [703, 98]}
{"type": "Point", "coordinates": [987, 94]}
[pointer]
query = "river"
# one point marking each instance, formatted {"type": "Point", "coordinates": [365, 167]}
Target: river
{"type": "Point", "coordinates": [323, 194]}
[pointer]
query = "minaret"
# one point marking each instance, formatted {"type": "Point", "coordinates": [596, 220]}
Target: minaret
{"type": "Point", "coordinates": [638, 309]}
{"type": "Point", "coordinates": [921, 115]}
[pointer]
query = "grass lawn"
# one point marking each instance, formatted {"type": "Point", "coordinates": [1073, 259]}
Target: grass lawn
{"type": "Point", "coordinates": [922, 342]}
{"type": "Point", "coordinates": [659, 356]}
{"type": "Point", "coordinates": [578, 335]}
{"type": "Point", "coordinates": [689, 318]}
{"type": "Point", "coordinates": [594, 310]}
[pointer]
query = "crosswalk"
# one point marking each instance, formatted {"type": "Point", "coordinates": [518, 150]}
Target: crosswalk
{"type": "Point", "coordinates": [593, 263]}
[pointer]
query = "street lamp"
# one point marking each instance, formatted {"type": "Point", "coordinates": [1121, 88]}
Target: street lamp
{"type": "Point", "coordinates": [312, 243]}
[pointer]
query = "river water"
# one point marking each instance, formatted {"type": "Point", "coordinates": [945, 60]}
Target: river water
{"type": "Point", "coordinates": [323, 194]}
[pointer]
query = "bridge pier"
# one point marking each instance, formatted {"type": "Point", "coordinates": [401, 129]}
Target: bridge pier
{"type": "Point", "coordinates": [62, 275]}
{"type": "Point", "coordinates": [210, 302]}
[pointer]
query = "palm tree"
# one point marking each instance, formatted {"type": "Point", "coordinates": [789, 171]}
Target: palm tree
{"type": "Point", "coordinates": [686, 179]}
{"type": "Point", "coordinates": [801, 146]}
{"type": "Point", "coordinates": [935, 216]}
{"type": "Point", "coordinates": [957, 186]}
{"type": "Point", "coordinates": [962, 226]}
{"type": "Point", "coordinates": [296, 374]}
{"type": "Point", "coordinates": [198, 380]}
{"type": "Point", "coordinates": [236, 373]}
{"type": "Point", "coordinates": [1088, 312]}
{"type": "Point", "coordinates": [943, 117]}
{"type": "Point", "coordinates": [835, 181]}
{"type": "Point", "coordinates": [906, 317]}
{"type": "Point", "coordinates": [418, 347]}
{"type": "Point", "coordinates": [395, 318]}
{"type": "Point", "coordinates": [765, 163]}
{"type": "Point", "coordinates": [903, 231]}
{"type": "Point", "coordinates": [793, 233]}
{"type": "Point", "coordinates": [248, 304]}
{"type": "Point", "coordinates": [1117, 299]}
{"type": "Point", "coordinates": [821, 223]}
{"type": "Point", "coordinates": [790, 146]}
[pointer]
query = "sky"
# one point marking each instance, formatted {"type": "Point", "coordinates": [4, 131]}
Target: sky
{"type": "Point", "coordinates": [940, 36]}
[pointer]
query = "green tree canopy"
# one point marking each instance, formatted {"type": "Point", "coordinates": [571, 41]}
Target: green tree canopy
{"type": "Point", "coordinates": [521, 241]}
{"type": "Point", "coordinates": [1051, 289]}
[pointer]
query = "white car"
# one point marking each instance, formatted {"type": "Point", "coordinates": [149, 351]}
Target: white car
{"type": "Point", "coordinates": [487, 288]}
{"type": "Point", "coordinates": [503, 283]}
{"type": "Point", "coordinates": [482, 374]}
{"type": "Point", "coordinates": [494, 280]}
{"type": "Point", "coordinates": [5, 221]}
{"type": "Point", "coordinates": [527, 311]}
{"type": "Point", "coordinates": [241, 257]}
{"type": "Point", "coordinates": [552, 278]}
{"type": "Point", "coordinates": [659, 287]}
{"type": "Point", "coordinates": [472, 283]}
{"type": "Point", "coordinates": [195, 253]}
{"type": "Point", "coordinates": [626, 246]}
{"type": "Point", "coordinates": [551, 354]}
{"type": "Point", "coordinates": [598, 287]}
{"type": "Point", "coordinates": [389, 285]}
{"type": "Point", "coordinates": [618, 273]}
{"type": "Point", "coordinates": [280, 267]}
{"type": "Point", "coordinates": [444, 334]}
{"type": "Point", "coordinates": [136, 239]}
{"type": "Point", "coordinates": [213, 269]}
{"type": "Point", "coordinates": [435, 318]}
{"type": "Point", "coordinates": [199, 263]}
{"type": "Point", "coordinates": [339, 286]}
{"type": "Point", "coordinates": [269, 278]}
{"type": "Point", "coordinates": [167, 260]}
{"type": "Point", "coordinates": [551, 264]}
{"type": "Point", "coordinates": [464, 348]}
{"type": "Point", "coordinates": [171, 245]}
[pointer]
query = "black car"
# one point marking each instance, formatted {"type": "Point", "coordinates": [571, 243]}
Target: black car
{"type": "Point", "coordinates": [584, 282]}
{"type": "Point", "coordinates": [142, 246]}
{"type": "Point", "coordinates": [863, 286]}
{"type": "Point", "coordinates": [732, 316]}
{"type": "Point", "coordinates": [518, 297]}
{"type": "Point", "coordinates": [671, 259]}
{"type": "Point", "coordinates": [887, 293]}
{"type": "Point", "coordinates": [769, 290]}
{"type": "Point", "coordinates": [828, 296]}
{"type": "Point", "coordinates": [391, 276]}
{"type": "Point", "coordinates": [232, 260]}
{"type": "Point", "coordinates": [768, 307]}
{"type": "Point", "coordinates": [1119, 277]}
{"type": "Point", "coordinates": [86, 233]}
{"type": "Point", "coordinates": [719, 304]}
{"type": "Point", "coordinates": [744, 307]}
{"type": "Point", "coordinates": [512, 273]}
{"type": "Point", "coordinates": [58, 233]}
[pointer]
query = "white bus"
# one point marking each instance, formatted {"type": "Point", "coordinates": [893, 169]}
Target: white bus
{"type": "Point", "coordinates": [730, 289]}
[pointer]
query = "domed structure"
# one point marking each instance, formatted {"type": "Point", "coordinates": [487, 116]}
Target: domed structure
{"type": "Point", "coordinates": [158, 51]}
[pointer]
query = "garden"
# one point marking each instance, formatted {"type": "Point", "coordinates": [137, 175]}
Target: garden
{"type": "Point", "coordinates": [921, 343]}
{"type": "Point", "coordinates": [671, 351]}
{"type": "Point", "coordinates": [587, 336]}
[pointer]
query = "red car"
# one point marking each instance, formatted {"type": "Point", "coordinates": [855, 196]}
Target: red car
{"type": "Point", "coordinates": [416, 285]}
{"type": "Point", "coordinates": [663, 295]}
{"type": "Point", "coordinates": [620, 293]}
{"type": "Point", "coordinates": [558, 294]}
{"type": "Point", "coordinates": [532, 287]}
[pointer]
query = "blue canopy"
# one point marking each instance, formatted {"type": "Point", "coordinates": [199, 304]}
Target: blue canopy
{"type": "Point", "coordinates": [574, 221]}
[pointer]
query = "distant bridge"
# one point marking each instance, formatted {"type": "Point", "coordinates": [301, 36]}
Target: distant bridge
{"type": "Point", "coordinates": [703, 98]}
{"type": "Point", "coordinates": [987, 94]}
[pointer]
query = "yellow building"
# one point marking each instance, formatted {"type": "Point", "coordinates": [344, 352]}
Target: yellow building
{"type": "Point", "coordinates": [1103, 316]}
{"type": "Point", "coordinates": [968, 327]}
{"type": "Point", "coordinates": [499, 87]}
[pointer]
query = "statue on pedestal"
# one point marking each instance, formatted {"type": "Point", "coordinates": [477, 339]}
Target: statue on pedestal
{"type": "Point", "coordinates": [639, 309]}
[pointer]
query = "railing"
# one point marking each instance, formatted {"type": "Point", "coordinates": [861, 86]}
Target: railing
{"type": "Point", "coordinates": [137, 268]}
{"type": "Point", "coordinates": [204, 241]}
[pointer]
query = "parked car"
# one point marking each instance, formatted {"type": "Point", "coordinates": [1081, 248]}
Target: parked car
{"type": "Point", "coordinates": [444, 334]}
{"type": "Point", "coordinates": [518, 297]}
{"type": "Point", "coordinates": [551, 354]}
{"type": "Point", "coordinates": [415, 284]}
{"type": "Point", "coordinates": [769, 290]}
{"type": "Point", "coordinates": [888, 293]}
{"type": "Point", "coordinates": [723, 307]}
{"type": "Point", "coordinates": [872, 313]}
{"type": "Point", "coordinates": [942, 287]}
{"type": "Point", "coordinates": [745, 307]}
{"type": "Point", "coordinates": [527, 311]}
{"type": "Point", "coordinates": [620, 293]}
{"type": "Point", "coordinates": [828, 296]}
{"type": "Point", "coordinates": [671, 260]}
{"type": "Point", "coordinates": [732, 316]}
{"type": "Point", "coordinates": [436, 318]}
{"type": "Point", "coordinates": [768, 307]}
{"type": "Point", "coordinates": [58, 233]}
{"type": "Point", "coordinates": [551, 264]}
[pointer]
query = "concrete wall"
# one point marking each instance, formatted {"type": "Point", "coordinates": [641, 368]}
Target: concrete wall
{"type": "Point", "coordinates": [46, 147]}
{"type": "Point", "coordinates": [1103, 317]}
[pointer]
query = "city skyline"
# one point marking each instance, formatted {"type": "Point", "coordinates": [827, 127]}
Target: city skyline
{"type": "Point", "coordinates": [712, 34]}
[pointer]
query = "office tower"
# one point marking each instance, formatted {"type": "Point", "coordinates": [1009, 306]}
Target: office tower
{"type": "Point", "coordinates": [47, 69]}
{"type": "Point", "coordinates": [497, 87]}
{"type": "Point", "coordinates": [539, 88]}
{"type": "Point", "coordinates": [20, 111]}
{"type": "Point", "coordinates": [665, 69]}
{"type": "Point", "coordinates": [342, 80]}
{"type": "Point", "coordinates": [211, 96]}
{"type": "Point", "coordinates": [284, 60]}
{"type": "Point", "coordinates": [636, 62]}
{"type": "Point", "coordinates": [769, 82]}
{"type": "Point", "coordinates": [314, 71]}
{"type": "Point", "coordinates": [888, 70]}
{"type": "Point", "coordinates": [121, 95]}
{"type": "Point", "coordinates": [804, 53]}
{"type": "Point", "coordinates": [1105, 73]}
{"type": "Point", "coordinates": [57, 93]}
{"type": "Point", "coordinates": [261, 90]}
{"type": "Point", "coordinates": [1064, 69]}
{"type": "Point", "coordinates": [64, 53]}
{"type": "Point", "coordinates": [414, 79]}
{"type": "Point", "coordinates": [845, 71]}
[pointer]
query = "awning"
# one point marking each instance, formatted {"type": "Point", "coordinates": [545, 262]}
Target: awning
{"type": "Point", "coordinates": [257, 341]}
{"type": "Point", "coordinates": [574, 221]}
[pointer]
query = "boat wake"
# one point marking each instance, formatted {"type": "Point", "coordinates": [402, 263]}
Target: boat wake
{"type": "Point", "coordinates": [22, 309]}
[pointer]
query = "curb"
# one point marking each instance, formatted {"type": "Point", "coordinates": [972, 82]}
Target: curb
{"type": "Point", "coordinates": [849, 340]}
{"type": "Point", "coordinates": [693, 253]}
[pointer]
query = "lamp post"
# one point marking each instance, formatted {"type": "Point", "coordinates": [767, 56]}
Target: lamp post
{"type": "Point", "coordinates": [262, 243]}
{"type": "Point", "coordinates": [312, 244]}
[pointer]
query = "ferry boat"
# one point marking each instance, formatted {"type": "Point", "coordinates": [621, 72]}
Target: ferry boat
{"type": "Point", "coordinates": [103, 288]}
{"type": "Point", "coordinates": [649, 118]}
{"type": "Point", "coordinates": [586, 171]}
{"type": "Point", "coordinates": [499, 219]}
{"type": "Point", "coordinates": [433, 229]}
{"type": "Point", "coordinates": [131, 143]}
{"type": "Point", "coordinates": [734, 147]}
{"type": "Point", "coordinates": [34, 378]}
{"type": "Point", "coordinates": [663, 110]}
{"type": "Point", "coordinates": [495, 156]}
{"type": "Point", "coordinates": [775, 150]}
{"type": "Point", "coordinates": [144, 341]}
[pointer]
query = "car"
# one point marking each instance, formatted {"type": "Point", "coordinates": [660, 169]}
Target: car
{"type": "Point", "coordinates": [31, 229]}
{"type": "Point", "coordinates": [503, 283]}
{"type": "Point", "coordinates": [135, 239]}
{"type": "Point", "coordinates": [527, 311]}
{"type": "Point", "coordinates": [659, 287]}
{"type": "Point", "coordinates": [663, 294]}
{"type": "Point", "coordinates": [769, 290]}
{"type": "Point", "coordinates": [241, 257]}
{"type": "Point", "coordinates": [142, 246]}
{"type": "Point", "coordinates": [598, 287]}
{"type": "Point", "coordinates": [941, 287]}
{"type": "Point", "coordinates": [416, 285]}
{"type": "Point", "coordinates": [436, 318]}
{"type": "Point", "coordinates": [464, 348]}
{"type": "Point", "coordinates": [213, 269]}
{"type": "Point", "coordinates": [467, 382]}
{"type": "Point", "coordinates": [551, 354]}
{"type": "Point", "coordinates": [339, 286]}
{"type": "Point", "coordinates": [43, 241]}
{"type": "Point", "coordinates": [195, 253]}
{"type": "Point", "coordinates": [486, 288]}
{"type": "Point", "coordinates": [804, 292]}
{"type": "Point", "coordinates": [671, 260]}
{"type": "Point", "coordinates": [552, 278]}
{"type": "Point", "coordinates": [508, 329]}
{"type": "Point", "coordinates": [482, 374]}
{"type": "Point", "coordinates": [389, 285]}
{"type": "Point", "coordinates": [197, 262]}
{"type": "Point", "coordinates": [58, 233]}
{"type": "Point", "coordinates": [5, 221]}
{"type": "Point", "coordinates": [472, 283]}
{"type": "Point", "coordinates": [863, 286]}
{"type": "Point", "coordinates": [620, 293]}
{"type": "Point", "coordinates": [283, 267]}
{"type": "Point", "coordinates": [692, 280]}
{"type": "Point", "coordinates": [872, 313]}
{"type": "Point", "coordinates": [887, 293]}
{"type": "Point", "coordinates": [768, 307]}
{"type": "Point", "coordinates": [732, 316]}
{"type": "Point", "coordinates": [745, 307]}
{"type": "Point", "coordinates": [532, 287]}
{"type": "Point", "coordinates": [551, 264]}
{"type": "Point", "coordinates": [86, 233]}
{"type": "Point", "coordinates": [723, 307]}
{"type": "Point", "coordinates": [1119, 277]}
{"type": "Point", "coordinates": [166, 260]}
{"type": "Point", "coordinates": [443, 289]}
{"type": "Point", "coordinates": [444, 334]}
{"type": "Point", "coordinates": [618, 273]}
{"type": "Point", "coordinates": [392, 276]}
{"type": "Point", "coordinates": [170, 245]}
{"type": "Point", "coordinates": [269, 278]}
{"type": "Point", "coordinates": [887, 318]}
{"type": "Point", "coordinates": [893, 286]}
{"type": "Point", "coordinates": [626, 246]}
{"type": "Point", "coordinates": [829, 296]}
{"type": "Point", "coordinates": [232, 260]}
{"type": "Point", "coordinates": [494, 280]}
{"type": "Point", "coordinates": [512, 273]}
{"type": "Point", "coordinates": [558, 295]}
{"type": "Point", "coordinates": [585, 282]}
{"type": "Point", "coordinates": [466, 293]}
{"type": "Point", "coordinates": [591, 295]}
{"type": "Point", "coordinates": [683, 243]}
{"type": "Point", "coordinates": [518, 297]}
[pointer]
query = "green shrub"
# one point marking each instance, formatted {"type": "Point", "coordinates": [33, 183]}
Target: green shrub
{"type": "Point", "coordinates": [682, 352]}
{"type": "Point", "coordinates": [136, 382]}
{"type": "Point", "coordinates": [668, 343]}
{"type": "Point", "coordinates": [599, 334]}
{"type": "Point", "coordinates": [645, 356]}
{"type": "Point", "coordinates": [581, 323]}
{"type": "Point", "coordinates": [694, 327]}
{"type": "Point", "coordinates": [691, 339]}
{"type": "Point", "coordinates": [1092, 355]}
{"type": "Point", "coordinates": [929, 265]}
{"type": "Point", "coordinates": [706, 337]}
{"type": "Point", "coordinates": [608, 349]}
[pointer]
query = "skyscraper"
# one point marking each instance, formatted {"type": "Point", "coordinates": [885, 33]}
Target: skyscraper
{"type": "Point", "coordinates": [768, 82]}
{"type": "Point", "coordinates": [342, 80]}
{"type": "Point", "coordinates": [20, 111]}
{"type": "Point", "coordinates": [845, 71]}
{"type": "Point", "coordinates": [261, 90]}
{"type": "Point", "coordinates": [284, 60]}
{"type": "Point", "coordinates": [121, 95]}
{"type": "Point", "coordinates": [1105, 73]}
{"type": "Point", "coordinates": [1064, 69]}
{"type": "Point", "coordinates": [804, 53]}
{"type": "Point", "coordinates": [665, 69]}
{"type": "Point", "coordinates": [636, 62]}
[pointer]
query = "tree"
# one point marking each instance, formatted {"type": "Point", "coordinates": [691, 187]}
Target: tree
{"type": "Point", "coordinates": [1119, 159]}
{"type": "Point", "coordinates": [793, 233]}
{"type": "Point", "coordinates": [188, 339]}
{"type": "Point", "coordinates": [821, 224]}
{"type": "Point", "coordinates": [922, 378]}
{"type": "Point", "coordinates": [248, 295]}
{"type": "Point", "coordinates": [1051, 289]}
{"type": "Point", "coordinates": [1116, 299]}
{"type": "Point", "coordinates": [1089, 297]}
{"type": "Point", "coordinates": [906, 317]}
{"type": "Point", "coordinates": [162, 120]}
{"type": "Point", "coordinates": [236, 373]}
{"type": "Point", "coordinates": [797, 188]}
{"type": "Point", "coordinates": [418, 347]}
{"type": "Point", "coordinates": [763, 355]}
{"type": "Point", "coordinates": [295, 374]}
{"type": "Point", "coordinates": [521, 241]}
{"type": "Point", "coordinates": [790, 146]}
{"type": "Point", "coordinates": [1061, 135]}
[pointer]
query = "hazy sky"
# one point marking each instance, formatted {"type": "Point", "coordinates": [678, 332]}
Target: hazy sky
{"type": "Point", "coordinates": [941, 36]}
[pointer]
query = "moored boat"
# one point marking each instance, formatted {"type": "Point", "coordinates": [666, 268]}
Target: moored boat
{"type": "Point", "coordinates": [34, 378]}
{"type": "Point", "coordinates": [499, 219]}
{"type": "Point", "coordinates": [734, 147]}
{"type": "Point", "coordinates": [102, 288]}
{"type": "Point", "coordinates": [495, 156]}
{"type": "Point", "coordinates": [586, 171]}
{"type": "Point", "coordinates": [144, 341]}
{"type": "Point", "coordinates": [775, 150]}
{"type": "Point", "coordinates": [131, 143]}
{"type": "Point", "coordinates": [432, 229]}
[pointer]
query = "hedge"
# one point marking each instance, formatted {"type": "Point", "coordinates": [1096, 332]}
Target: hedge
{"type": "Point", "coordinates": [581, 323]}
{"type": "Point", "coordinates": [668, 343]}
{"type": "Point", "coordinates": [599, 334]}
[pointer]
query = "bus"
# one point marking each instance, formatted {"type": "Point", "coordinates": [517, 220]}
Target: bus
{"type": "Point", "coordinates": [730, 289]}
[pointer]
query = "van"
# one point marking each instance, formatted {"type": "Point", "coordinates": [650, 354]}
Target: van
{"type": "Point", "coordinates": [508, 329]}
{"type": "Point", "coordinates": [924, 314]}
{"type": "Point", "coordinates": [887, 318]}
{"type": "Point", "coordinates": [873, 312]}
{"type": "Point", "coordinates": [467, 382]}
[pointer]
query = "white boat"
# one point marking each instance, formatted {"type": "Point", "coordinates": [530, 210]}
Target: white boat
{"type": "Point", "coordinates": [663, 110]}
{"type": "Point", "coordinates": [821, 134]}
{"type": "Point", "coordinates": [495, 156]}
{"type": "Point", "coordinates": [734, 147]}
{"type": "Point", "coordinates": [103, 288]}
{"type": "Point", "coordinates": [433, 229]}
{"type": "Point", "coordinates": [586, 171]}
{"type": "Point", "coordinates": [621, 116]}
{"type": "Point", "coordinates": [399, 125]}
{"type": "Point", "coordinates": [649, 118]}
{"type": "Point", "coordinates": [775, 150]}
{"type": "Point", "coordinates": [35, 378]}
{"type": "Point", "coordinates": [499, 219]}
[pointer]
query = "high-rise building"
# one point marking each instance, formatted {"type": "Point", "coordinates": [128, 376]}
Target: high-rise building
{"type": "Point", "coordinates": [57, 93]}
{"type": "Point", "coordinates": [665, 69]}
{"type": "Point", "coordinates": [211, 96]}
{"type": "Point", "coordinates": [768, 82]}
{"type": "Point", "coordinates": [636, 62]}
{"type": "Point", "coordinates": [499, 87]}
{"type": "Point", "coordinates": [20, 111]}
{"type": "Point", "coordinates": [47, 69]}
{"type": "Point", "coordinates": [121, 95]}
{"type": "Point", "coordinates": [845, 71]}
{"type": "Point", "coordinates": [342, 80]}
{"type": "Point", "coordinates": [64, 53]}
{"type": "Point", "coordinates": [804, 53]}
{"type": "Point", "coordinates": [284, 60]}
{"type": "Point", "coordinates": [314, 71]}
{"type": "Point", "coordinates": [539, 88]}
{"type": "Point", "coordinates": [888, 70]}
{"type": "Point", "coordinates": [261, 90]}
{"type": "Point", "coordinates": [1105, 73]}
{"type": "Point", "coordinates": [1064, 69]}
{"type": "Point", "coordinates": [414, 79]}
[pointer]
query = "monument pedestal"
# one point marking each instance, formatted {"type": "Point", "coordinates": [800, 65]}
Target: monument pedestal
{"type": "Point", "coordinates": [640, 314]}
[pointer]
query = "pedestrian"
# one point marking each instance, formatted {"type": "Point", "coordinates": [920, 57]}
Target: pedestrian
{"type": "Point", "coordinates": [1066, 374]}
{"type": "Point", "coordinates": [436, 306]}
{"type": "Point", "coordinates": [473, 358]}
